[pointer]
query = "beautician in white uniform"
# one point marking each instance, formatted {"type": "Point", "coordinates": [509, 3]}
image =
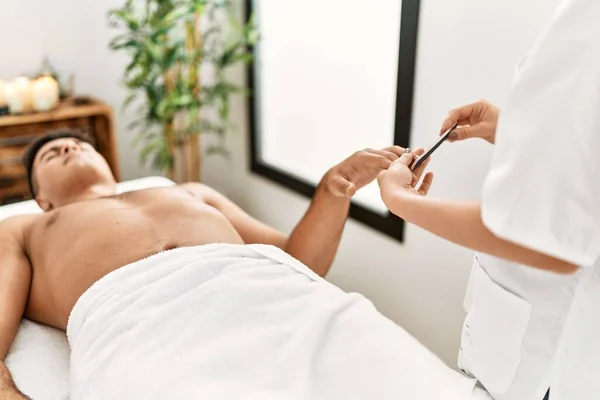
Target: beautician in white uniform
{"type": "Point", "coordinates": [529, 330]}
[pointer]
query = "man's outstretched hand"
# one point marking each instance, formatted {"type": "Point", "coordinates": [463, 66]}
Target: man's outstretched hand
{"type": "Point", "coordinates": [360, 169]}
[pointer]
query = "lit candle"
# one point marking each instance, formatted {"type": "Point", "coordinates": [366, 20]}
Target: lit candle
{"type": "Point", "coordinates": [18, 95]}
{"type": "Point", "coordinates": [45, 93]}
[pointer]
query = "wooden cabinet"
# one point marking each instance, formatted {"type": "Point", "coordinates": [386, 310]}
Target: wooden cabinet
{"type": "Point", "coordinates": [89, 117]}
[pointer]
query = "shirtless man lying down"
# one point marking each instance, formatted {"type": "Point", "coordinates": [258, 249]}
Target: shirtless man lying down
{"type": "Point", "coordinates": [204, 245]}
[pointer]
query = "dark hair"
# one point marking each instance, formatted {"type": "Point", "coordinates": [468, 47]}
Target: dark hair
{"type": "Point", "coordinates": [34, 148]}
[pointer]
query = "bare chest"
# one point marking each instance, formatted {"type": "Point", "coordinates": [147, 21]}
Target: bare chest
{"type": "Point", "coordinates": [126, 225]}
{"type": "Point", "coordinates": [74, 246]}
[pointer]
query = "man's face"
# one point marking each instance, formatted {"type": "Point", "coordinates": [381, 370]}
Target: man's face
{"type": "Point", "coordinates": [67, 165]}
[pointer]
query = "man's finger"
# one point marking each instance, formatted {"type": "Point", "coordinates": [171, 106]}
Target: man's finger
{"type": "Point", "coordinates": [383, 162]}
{"type": "Point", "coordinates": [385, 153]}
{"type": "Point", "coordinates": [419, 151]}
{"type": "Point", "coordinates": [426, 185]}
{"type": "Point", "coordinates": [396, 150]}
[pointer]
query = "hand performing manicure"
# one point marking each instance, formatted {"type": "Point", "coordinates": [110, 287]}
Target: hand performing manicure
{"type": "Point", "coordinates": [476, 120]}
{"type": "Point", "coordinates": [399, 180]}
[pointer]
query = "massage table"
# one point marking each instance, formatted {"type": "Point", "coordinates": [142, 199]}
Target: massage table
{"type": "Point", "coordinates": [39, 356]}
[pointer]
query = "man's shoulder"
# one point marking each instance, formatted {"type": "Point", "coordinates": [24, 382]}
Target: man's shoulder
{"type": "Point", "coordinates": [17, 223]}
{"type": "Point", "coordinates": [13, 230]}
{"type": "Point", "coordinates": [18, 220]}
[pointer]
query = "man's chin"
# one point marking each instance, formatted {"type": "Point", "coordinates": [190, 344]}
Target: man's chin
{"type": "Point", "coordinates": [81, 170]}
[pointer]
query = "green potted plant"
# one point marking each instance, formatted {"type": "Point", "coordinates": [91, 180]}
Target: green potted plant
{"type": "Point", "coordinates": [170, 42]}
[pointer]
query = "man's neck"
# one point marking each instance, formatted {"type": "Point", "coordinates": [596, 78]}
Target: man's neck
{"type": "Point", "coordinates": [91, 193]}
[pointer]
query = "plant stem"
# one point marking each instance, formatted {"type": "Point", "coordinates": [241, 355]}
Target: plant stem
{"type": "Point", "coordinates": [169, 131]}
{"type": "Point", "coordinates": [193, 45]}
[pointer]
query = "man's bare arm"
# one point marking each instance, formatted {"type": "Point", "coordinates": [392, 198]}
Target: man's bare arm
{"type": "Point", "coordinates": [15, 280]}
{"type": "Point", "coordinates": [316, 238]}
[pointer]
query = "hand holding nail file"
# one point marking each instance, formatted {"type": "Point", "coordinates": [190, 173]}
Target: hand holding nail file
{"type": "Point", "coordinates": [429, 152]}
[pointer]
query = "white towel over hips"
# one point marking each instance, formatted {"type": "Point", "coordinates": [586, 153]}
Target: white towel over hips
{"type": "Point", "coordinates": [241, 322]}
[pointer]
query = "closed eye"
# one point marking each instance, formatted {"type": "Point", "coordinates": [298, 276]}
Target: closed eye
{"type": "Point", "coordinates": [50, 155]}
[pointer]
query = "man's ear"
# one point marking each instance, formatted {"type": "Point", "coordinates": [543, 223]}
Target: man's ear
{"type": "Point", "coordinates": [44, 203]}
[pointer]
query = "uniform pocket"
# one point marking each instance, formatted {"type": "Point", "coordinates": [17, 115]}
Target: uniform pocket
{"type": "Point", "coordinates": [493, 332]}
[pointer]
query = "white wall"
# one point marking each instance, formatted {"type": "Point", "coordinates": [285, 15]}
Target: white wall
{"type": "Point", "coordinates": [75, 35]}
{"type": "Point", "coordinates": [467, 50]}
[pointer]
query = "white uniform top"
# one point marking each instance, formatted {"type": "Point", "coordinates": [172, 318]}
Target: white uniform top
{"type": "Point", "coordinates": [527, 329]}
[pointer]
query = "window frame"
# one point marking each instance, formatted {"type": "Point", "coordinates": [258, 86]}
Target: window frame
{"type": "Point", "coordinates": [388, 224]}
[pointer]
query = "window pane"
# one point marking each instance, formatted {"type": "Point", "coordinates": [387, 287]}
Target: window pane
{"type": "Point", "coordinates": [326, 75]}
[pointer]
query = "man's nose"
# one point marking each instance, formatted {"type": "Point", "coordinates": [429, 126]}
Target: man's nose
{"type": "Point", "coordinates": [69, 147]}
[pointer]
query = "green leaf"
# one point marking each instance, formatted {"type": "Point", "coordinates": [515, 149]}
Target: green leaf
{"type": "Point", "coordinates": [183, 100]}
{"type": "Point", "coordinates": [192, 116]}
{"type": "Point", "coordinates": [155, 51]}
{"type": "Point", "coordinates": [244, 58]}
{"type": "Point", "coordinates": [161, 108]}
{"type": "Point", "coordinates": [131, 97]}
{"type": "Point", "coordinates": [175, 15]}
{"type": "Point", "coordinates": [170, 58]}
{"type": "Point", "coordinates": [199, 6]}
{"type": "Point", "coordinates": [163, 159]}
{"type": "Point", "coordinates": [234, 22]}
{"type": "Point", "coordinates": [225, 58]}
{"type": "Point", "coordinates": [153, 146]}
{"type": "Point", "coordinates": [148, 136]}
{"type": "Point", "coordinates": [253, 37]}
{"type": "Point", "coordinates": [223, 3]}
{"type": "Point", "coordinates": [174, 54]}
{"type": "Point", "coordinates": [224, 109]}
{"type": "Point", "coordinates": [136, 141]}
{"type": "Point", "coordinates": [134, 63]}
{"type": "Point", "coordinates": [251, 33]}
{"type": "Point", "coordinates": [118, 39]}
{"type": "Point", "coordinates": [217, 150]}
{"type": "Point", "coordinates": [157, 35]}
{"type": "Point", "coordinates": [125, 16]}
{"type": "Point", "coordinates": [134, 124]}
